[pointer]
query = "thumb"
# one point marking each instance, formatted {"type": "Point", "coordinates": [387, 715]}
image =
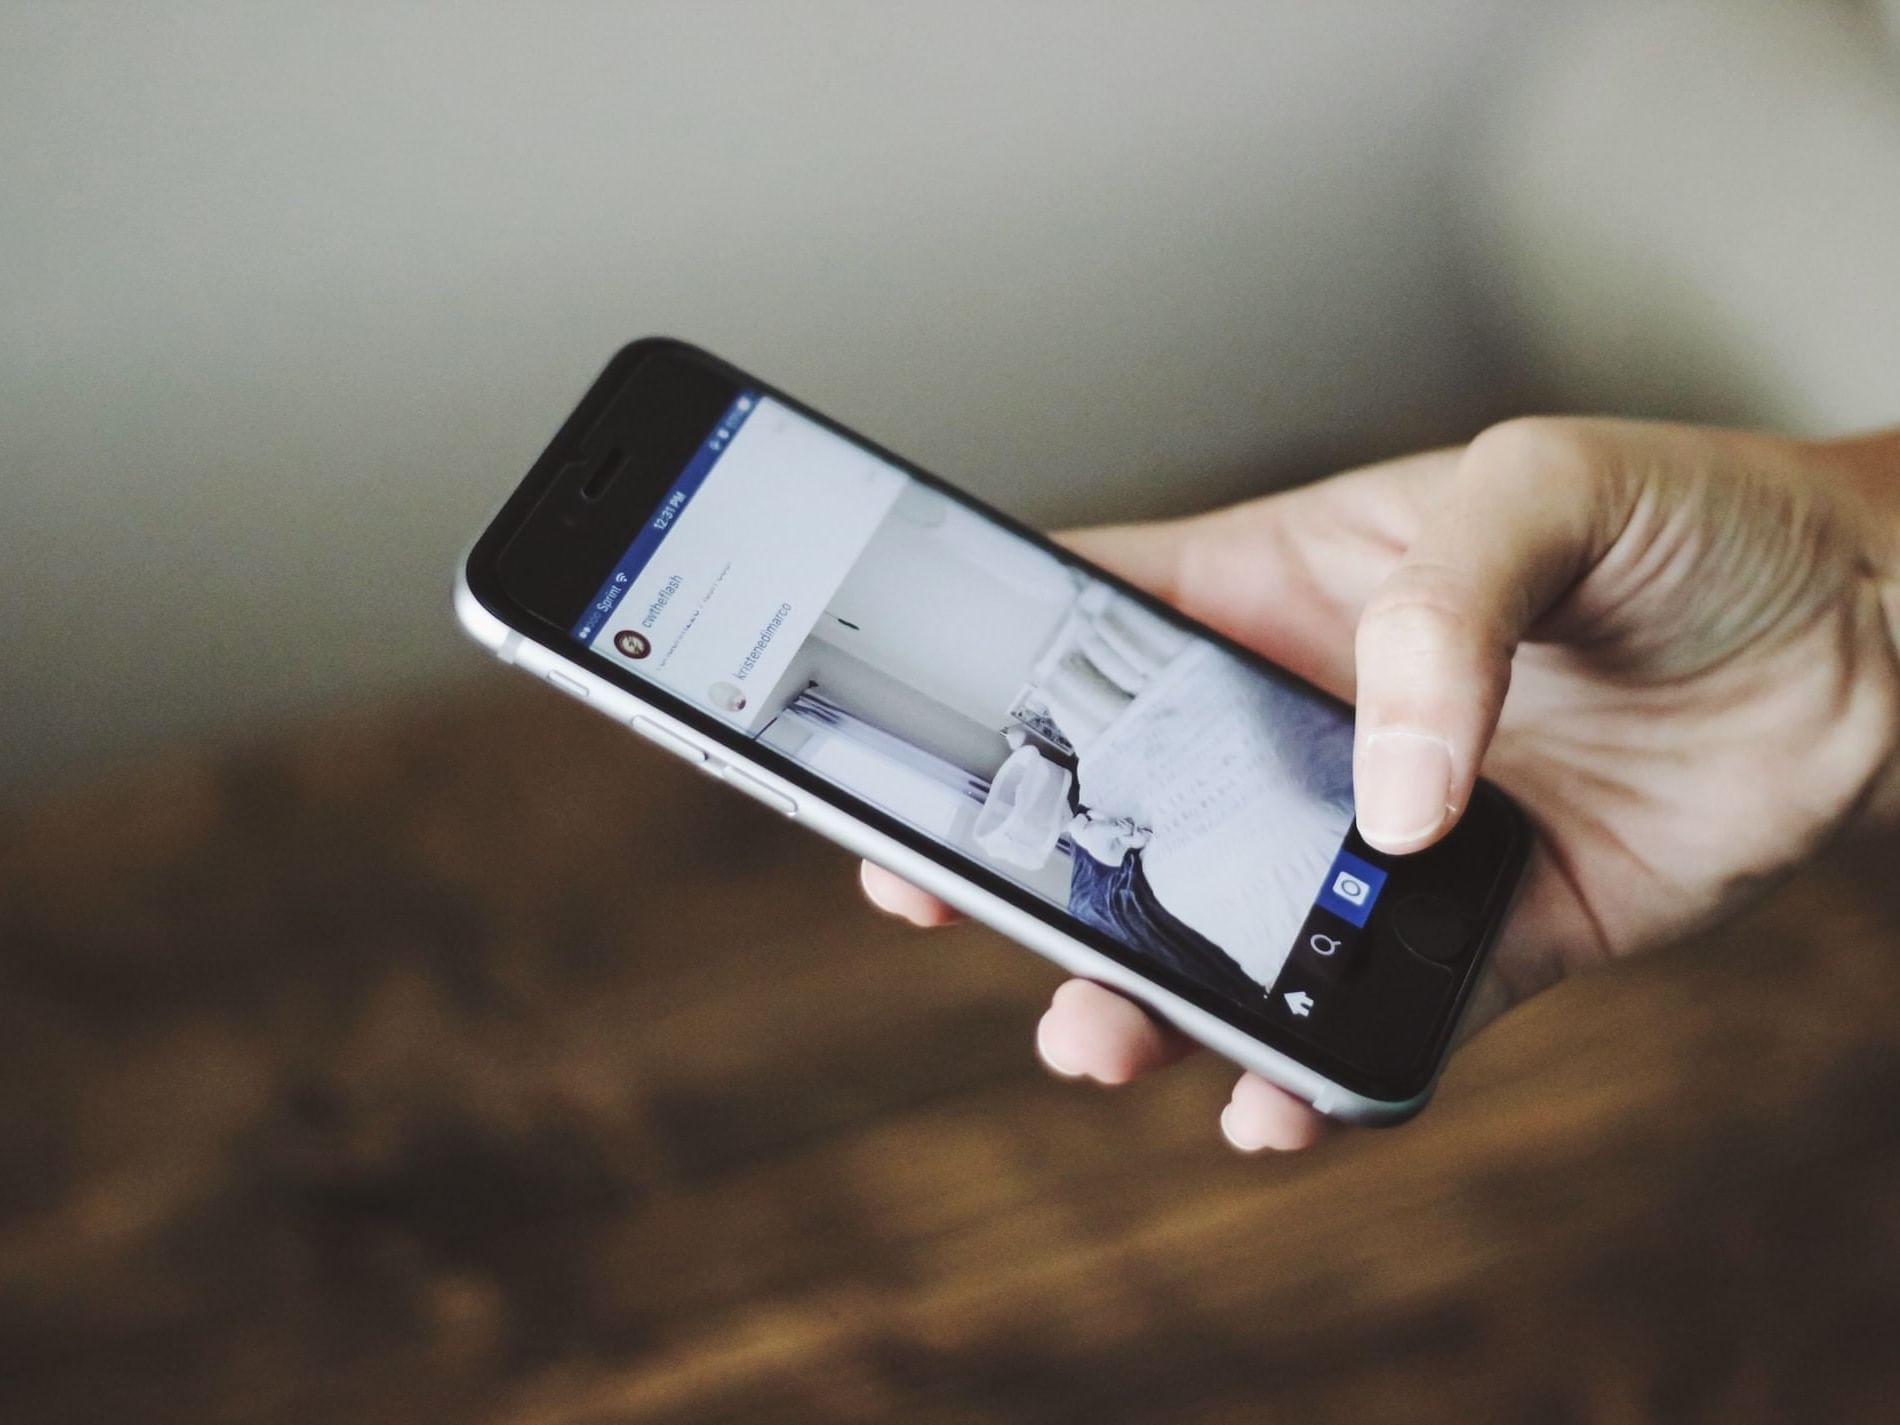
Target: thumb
{"type": "Point", "coordinates": [1530, 507]}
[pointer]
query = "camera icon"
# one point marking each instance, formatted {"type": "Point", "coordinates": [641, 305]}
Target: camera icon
{"type": "Point", "coordinates": [1350, 888]}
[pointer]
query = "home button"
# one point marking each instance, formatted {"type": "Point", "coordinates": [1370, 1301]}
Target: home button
{"type": "Point", "coordinates": [1431, 927]}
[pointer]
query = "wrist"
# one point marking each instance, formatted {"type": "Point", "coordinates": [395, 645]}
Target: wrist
{"type": "Point", "coordinates": [1870, 469]}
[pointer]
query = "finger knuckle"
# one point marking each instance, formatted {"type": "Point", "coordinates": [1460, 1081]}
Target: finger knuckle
{"type": "Point", "coordinates": [1416, 612]}
{"type": "Point", "coordinates": [1533, 450]}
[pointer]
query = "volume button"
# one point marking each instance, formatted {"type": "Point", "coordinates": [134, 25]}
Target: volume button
{"type": "Point", "coordinates": [673, 743]}
{"type": "Point", "coordinates": [759, 792]}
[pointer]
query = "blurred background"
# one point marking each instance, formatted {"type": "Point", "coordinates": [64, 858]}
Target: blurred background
{"type": "Point", "coordinates": [337, 1088]}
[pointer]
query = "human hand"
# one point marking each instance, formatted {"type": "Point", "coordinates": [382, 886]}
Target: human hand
{"type": "Point", "coordinates": [1696, 630]}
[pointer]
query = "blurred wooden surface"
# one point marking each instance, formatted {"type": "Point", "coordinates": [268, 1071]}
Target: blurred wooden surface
{"type": "Point", "coordinates": [476, 1063]}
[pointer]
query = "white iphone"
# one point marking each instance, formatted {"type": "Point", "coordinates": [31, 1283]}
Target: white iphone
{"type": "Point", "coordinates": [861, 647]}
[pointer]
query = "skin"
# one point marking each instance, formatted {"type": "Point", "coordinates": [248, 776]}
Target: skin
{"type": "Point", "coordinates": [1675, 646]}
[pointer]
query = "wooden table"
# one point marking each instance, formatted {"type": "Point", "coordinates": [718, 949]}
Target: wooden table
{"type": "Point", "coordinates": [472, 1062]}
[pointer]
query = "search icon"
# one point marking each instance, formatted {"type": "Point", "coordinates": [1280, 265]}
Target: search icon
{"type": "Point", "coordinates": [1323, 944]}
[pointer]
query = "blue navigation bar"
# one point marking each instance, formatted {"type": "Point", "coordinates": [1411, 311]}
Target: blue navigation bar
{"type": "Point", "coordinates": [647, 542]}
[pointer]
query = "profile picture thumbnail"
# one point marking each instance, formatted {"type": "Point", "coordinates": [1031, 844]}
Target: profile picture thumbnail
{"type": "Point", "coordinates": [726, 697]}
{"type": "Point", "coordinates": [633, 643]}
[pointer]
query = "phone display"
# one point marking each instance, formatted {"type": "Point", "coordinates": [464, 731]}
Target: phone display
{"type": "Point", "coordinates": [1152, 789]}
{"type": "Point", "coordinates": [1010, 706]}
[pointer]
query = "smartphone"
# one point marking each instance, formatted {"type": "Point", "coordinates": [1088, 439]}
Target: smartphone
{"type": "Point", "coordinates": [861, 647]}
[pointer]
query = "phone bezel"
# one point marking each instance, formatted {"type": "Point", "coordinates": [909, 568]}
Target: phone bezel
{"type": "Point", "coordinates": [1489, 813]}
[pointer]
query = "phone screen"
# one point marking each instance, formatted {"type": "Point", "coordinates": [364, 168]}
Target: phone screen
{"type": "Point", "coordinates": [1136, 776]}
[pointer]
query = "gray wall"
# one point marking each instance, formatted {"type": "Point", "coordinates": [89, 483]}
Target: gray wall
{"type": "Point", "coordinates": [1692, 209]}
{"type": "Point", "coordinates": [293, 293]}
